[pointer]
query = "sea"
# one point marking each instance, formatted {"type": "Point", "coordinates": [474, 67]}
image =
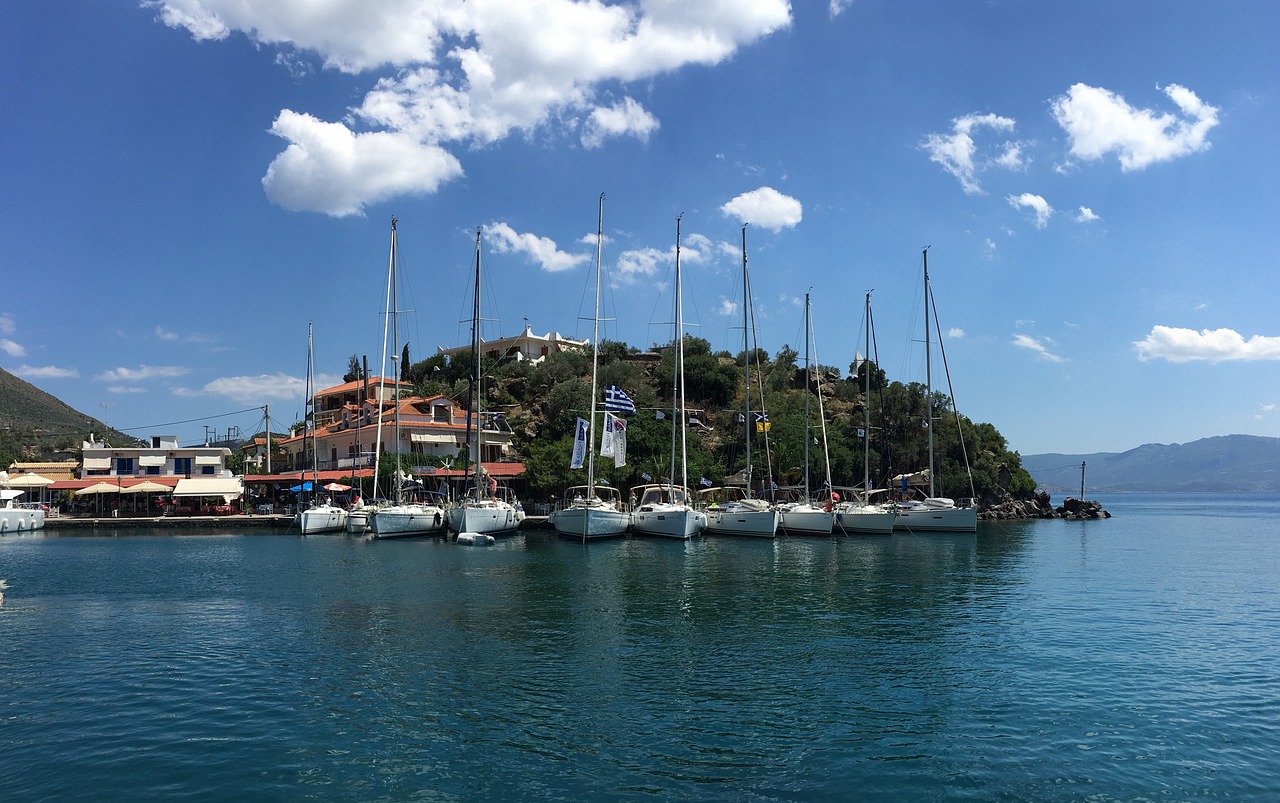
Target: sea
{"type": "Point", "coordinates": [1130, 659]}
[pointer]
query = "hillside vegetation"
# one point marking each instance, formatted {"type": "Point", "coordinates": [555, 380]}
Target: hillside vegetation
{"type": "Point", "coordinates": [35, 425]}
{"type": "Point", "coordinates": [544, 401]}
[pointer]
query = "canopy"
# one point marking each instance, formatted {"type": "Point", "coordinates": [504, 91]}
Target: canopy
{"type": "Point", "coordinates": [226, 487]}
{"type": "Point", "coordinates": [29, 481]}
{"type": "Point", "coordinates": [146, 487]}
{"type": "Point", "coordinates": [100, 488]}
{"type": "Point", "coordinates": [337, 486]}
{"type": "Point", "coordinates": [306, 486]}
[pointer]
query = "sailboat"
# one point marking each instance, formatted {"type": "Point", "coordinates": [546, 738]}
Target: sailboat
{"type": "Point", "coordinates": [808, 516]}
{"type": "Point", "coordinates": [858, 514]}
{"type": "Point", "coordinates": [480, 510]}
{"type": "Point", "coordinates": [665, 509]}
{"type": "Point", "coordinates": [593, 511]}
{"type": "Point", "coordinates": [742, 514]}
{"type": "Point", "coordinates": [401, 518]}
{"type": "Point", "coordinates": [935, 513]}
{"type": "Point", "coordinates": [320, 516]}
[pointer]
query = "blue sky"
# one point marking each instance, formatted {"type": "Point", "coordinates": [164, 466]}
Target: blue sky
{"type": "Point", "coordinates": [187, 184]}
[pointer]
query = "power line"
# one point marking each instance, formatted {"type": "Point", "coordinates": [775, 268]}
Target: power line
{"type": "Point", "coordinates": [191, 420]}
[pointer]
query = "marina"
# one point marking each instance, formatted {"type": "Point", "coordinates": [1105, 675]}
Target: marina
{"type": "Point", "coordinates": [1125, 659]}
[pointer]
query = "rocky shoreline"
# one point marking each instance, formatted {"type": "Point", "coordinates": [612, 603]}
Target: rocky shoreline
{"type": "Point", "coordinates": [1039, 507]}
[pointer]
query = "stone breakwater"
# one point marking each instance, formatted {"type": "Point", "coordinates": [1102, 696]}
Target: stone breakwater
{"type": "Point", "coordinates": [1039, 507]}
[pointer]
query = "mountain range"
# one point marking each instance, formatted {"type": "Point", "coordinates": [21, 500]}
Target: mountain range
{"type": "Point", "coordinates": [1223, 464]}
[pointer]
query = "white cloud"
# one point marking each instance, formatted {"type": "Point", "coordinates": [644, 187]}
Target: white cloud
{"type": "Point", "coordinates": [46, 372]}
{"type": "Point", "coordinates": [1269, 408]}
{"type": "Point", "coordinates": [1212, 345]}
{"type": "Point", "coordinates": [837, 7]}
{"type": "Point", "coordinates": [1099, 122]}
{"type": "Point", "coordinates": [506, 240]}
{"type": "Point", "coordinates": [1041, 349]}
{"type": "Point", "coordinates": [165, 334]}
{"type": "Point", "coordinates": [1036, 204]}
{"type": "Point", "coordinates": [465, 73]}
{"type": "Point", "coordinates": [331, 169]}
{"type": "Point", "coordinates": [627, 117]}
{"type": "Point", "coordinates": [125, 389]}
{"type": "Point", "coordinates": [263, 387]}
{"type": "Point", "coordinates": [955, 333]}
{"type": "Point", "coordinates": [635, 264]}
{"type": "Point", "coordinates": [7, 326]}
{"type": "Point", "coordinates": [1086, 215]}
{"type": "Point", "coordinates": [11, 348]}
{"type": "Point", "coordinates": [957, 152]}
{"type": "Point", "coordinates": [728, 307]}
{"type": "Point", "coordinates": [765, 207]}
{"type": "Point", "coordinates": [140, 373]}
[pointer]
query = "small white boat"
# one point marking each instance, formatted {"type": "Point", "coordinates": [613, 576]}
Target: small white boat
{"type": "Point", "coordinates": [321, 517]}
{"type": "Point", "coordinates": [476, 539]}
{"type": "Point", "coordinates": [358, 520]}
{"type": "Point", "coordinates": [730, 512]}
{"type": "Point", "coordinates": [806, 518]}
{"type": "Point", "coordinates": [664, 510]}
{"type": "Point", "coordinates": [16, 518]}
{"type": "Point", "coordinates": [589, 516]}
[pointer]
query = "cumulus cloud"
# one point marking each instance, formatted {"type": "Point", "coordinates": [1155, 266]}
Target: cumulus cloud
{"type": "Point", "coordinates": [1086, 215]}
{"type": "Point", "coordinates": [627, 117]}
{"type": "Point", "coordinates": [1210, 345]}
{"type": "Point", "coordinates": [727, 307]}
{"type": "Point", "coordinates": [331, 169]}
{"type": "Point", "coordinates": [263, 387]}
{"type": "Point", "coordinates": [465, 74]}
{"type": "Point", "coordinates": [125, 389]}
{"type": "Point", "coordinates": [542, 250]}
{"type": "Point", "coordinates": [142, 372]}
{"type": "Point", "coordinates": [955, 333]}
{"type": "Point", "coordinates": [638, 263]}
{"type": "Point", "coordinates": [765, 207]}
{"type": "Point", "coordinates": [46, 372]}
{"type": "Point", "coordinates": [1040, 348]}
{"type": "Point", "coordinates": [165, 334]}
{"type": "Point", "coordinates": [7, 326]}
{"type": "Point", "coordinates": [837, 7]}
{"type": "Point", "coordinates": [11, 348]}
{"type": "Point", "coordinates": [959, 155]}
{"type": "Point", "coordinates": [1099, 122]}
{"type": "Point", "coordinates": [1039, 206]}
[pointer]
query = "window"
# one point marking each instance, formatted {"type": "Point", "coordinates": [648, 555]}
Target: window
{"type": "Point", "coordinates": [210, 470]}
{"type": "Point", "coordinates": [182, 465]}
{"type": "Point", "coordinates": [443, 414]}
{"type": "Point", "coordinates": [124, 465]}
{"type": "Point", "coordinates": [153, 471]}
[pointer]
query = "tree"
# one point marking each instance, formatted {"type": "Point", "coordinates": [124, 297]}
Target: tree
{"type": "Point", "coordinates": [354, 371]}
{"type": "Point", "coordinates": [404, 363]}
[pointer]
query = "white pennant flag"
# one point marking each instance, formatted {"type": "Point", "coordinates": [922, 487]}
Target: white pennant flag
{"type": "Point", "coordinates": [606, 437]}
{"type": "Point", "coordinates": [579, 444]}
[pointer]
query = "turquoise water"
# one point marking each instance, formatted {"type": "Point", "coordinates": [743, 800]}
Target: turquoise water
{"type": "Point", "coordinates": [1130, 659]}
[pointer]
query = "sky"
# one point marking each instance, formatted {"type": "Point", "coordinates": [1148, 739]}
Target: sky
{"type": "Point", "coordinates": [187, 185]}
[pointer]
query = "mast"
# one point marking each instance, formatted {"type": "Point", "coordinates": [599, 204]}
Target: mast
{"type": "Point", "coordinates": [746, 360]}
{"type": "Point", "coordinates": [473, 411]}
{"type": "Point", "coordinates": [928, 368]}
{"type": "Point", "coordinates": [595, 359]}
{"type": "Point", "coordinates": [382, 370]}
{"type": "Point", "coordinates": [393, 280]}
{"type": "Point", "coordinates": [866, 410]}
{"type": "Point", "coordinates": [311, 416]}
{"type": "Point", "coordinates": [677, 385]}
{"type": "Point", "coordinates": [806, 397]}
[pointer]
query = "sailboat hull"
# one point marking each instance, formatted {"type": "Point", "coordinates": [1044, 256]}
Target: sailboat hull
{"type": "Point", "coordinates": [925, 518]}
{"type": "Point", "coordinates": [590, 522]}
{"type": "Point", "coordinates": [483, 518]}
{"type": "Point", "coordinates": [668, 521]}
{"type": "Point", "coordinates": [750, 523]}
{"type": "Point", "coordinates": [322, 519]}
{"type": "Point", "coordinates": [807, 520]}
{"type": "Point", "coordinates": [868, 520]}
{"type": "Point", "coordinates": [406, 521]}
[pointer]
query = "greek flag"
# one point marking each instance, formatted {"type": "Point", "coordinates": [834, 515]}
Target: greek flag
{"type": "Point", "coordinates": [705, 482]}
{"type": "Point", "coordinates": [644, 475]}
{"type": "Point", "coordinates": [618, 401]}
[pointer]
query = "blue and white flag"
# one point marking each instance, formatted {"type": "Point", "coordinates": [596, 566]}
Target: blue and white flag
{"type": "Point", "coordinates": [644, 475]}
{"type": "Point", "coordinates": [613, 443]}
{"type": "Point", "coordinates": [617, 401]}
{"type": "Point", "coordinates": [579, 444]}
{"type": "Point", "coordinates": [705, 482]}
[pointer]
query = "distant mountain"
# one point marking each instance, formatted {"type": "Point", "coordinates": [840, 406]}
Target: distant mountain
{"type": "Point", "coordinates": [34, 424]}
{"type": "Point", "coordinates": [1225, 464]}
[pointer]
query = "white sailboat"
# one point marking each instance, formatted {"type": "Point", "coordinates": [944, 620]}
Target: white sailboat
{"type": "Point", "coordinates": [480, 510]}
{"type": "Point", "coordinates": [592, 511]}
{"type": "Point", "coordinates": [666, 509]}
{"type": "Point", "coordinates": [807, 516]}
{"type": "Point", "coordinates": [857, 514]}
{"type": "Point", "coordinates": [320, 516]}
{"type": "Point", "coordinates": [401, 518]}
{"type": "Point", "coordinates": [935, 513]}
{"type": "Point", "coordinates": [739, 513]}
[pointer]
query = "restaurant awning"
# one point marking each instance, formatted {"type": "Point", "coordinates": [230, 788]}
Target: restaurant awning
{"type": "Point", "coordinates": [146, 487]}
{"type": "Point", "coordinates": [100, 488]}
{"type": "Point", "coordinates": [29, 481]}
{"type": "Point", "coordinates": [148, 460]}
{"type": "Point", "coordinates": [431, 437]}
{"type": "Point", "coordinates": [97, 463]}
{"type": "Point", "coordinates": [227, 487]}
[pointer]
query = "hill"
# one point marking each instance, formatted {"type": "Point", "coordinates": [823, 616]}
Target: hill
{"type": "Point", "coordinates": [34, 424]}
{"type": "Point", "coordinates": [1224, 464]}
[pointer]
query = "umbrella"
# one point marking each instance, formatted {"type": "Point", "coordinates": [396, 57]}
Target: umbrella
{"type": "Point", "coordinates": [334, 486]}
{"type": "Point", "coordinates": [100, 488]}
{"type": "Point", "coordinates": [306, 486]}
{"type": "Point", "coordinates": [29, 481]}
{"type": "Point", "coordinates": [145, 487]}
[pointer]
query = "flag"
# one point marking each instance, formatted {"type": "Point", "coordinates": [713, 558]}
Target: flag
{"type": "Point", "coordinates": [862, 432]}
{"type": "Point", "coordinates": [742, 419]}
{"type": "Point", "coordinates": [694, 421]}
{"type": "Point", "coordinates": [773, 485]}
{"type": "Point", "coordinates": [762, 422]}
{"type": "Point", "coordinates": [618, 401]}
{"type": "Point", "coordinates": [659, 416]}
{"type": "Point", "coordinates": [613, 443]}
{"type": "Point", "coordinates": [644, 475]}
{"type": "Point", "coordinates": [579, 444]}
{"type": "Point", "coordinates": [705, 482]}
